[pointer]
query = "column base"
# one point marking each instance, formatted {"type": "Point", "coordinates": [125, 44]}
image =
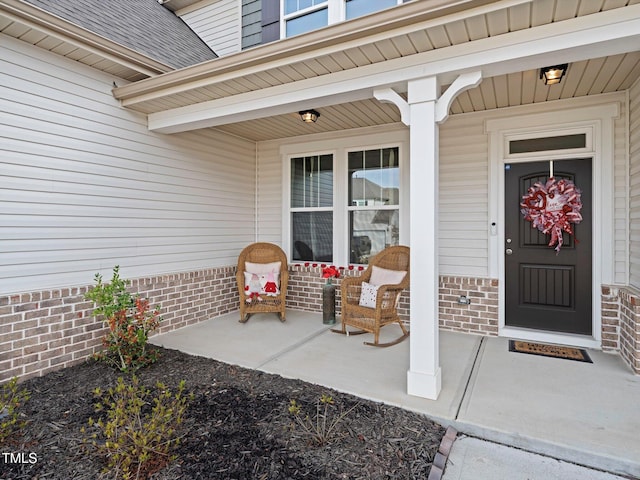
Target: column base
{"type": "Point", "coordinates": [424, 385]}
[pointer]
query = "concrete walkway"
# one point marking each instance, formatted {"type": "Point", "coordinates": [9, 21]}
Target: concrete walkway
{"type": "Point", "coordinates": [584, 414]}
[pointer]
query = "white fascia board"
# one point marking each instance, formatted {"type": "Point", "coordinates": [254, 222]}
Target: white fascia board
{"type": "Point", "coordinates": [606, 33]}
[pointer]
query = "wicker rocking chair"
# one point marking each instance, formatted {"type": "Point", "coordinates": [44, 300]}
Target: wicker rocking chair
{"type": "Point", "coordinates": [385, 272]}
{"type": "Point", "coordinates": [257, 263]}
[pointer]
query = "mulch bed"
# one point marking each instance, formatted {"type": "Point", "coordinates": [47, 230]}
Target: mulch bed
{"type": "Point", "coordinates": [237, 427]}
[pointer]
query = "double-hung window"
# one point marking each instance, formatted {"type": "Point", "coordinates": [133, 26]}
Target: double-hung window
{"type": "Point", "coordinates": [374, 202]}
{"type": "Point", "coordinates": [331, 224]}
{"type": "Point", "coordinates": [300, 16]}
{"type": "Point", "coordinates": [312, 207]}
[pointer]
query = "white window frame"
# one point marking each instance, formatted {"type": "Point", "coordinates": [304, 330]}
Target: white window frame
{"type": "Point", "coordinates": [364, 208]}
{"type": "Point", "coordinates": [292, 210]}
{"type": "Point", "coordinates": [336, 13]}
{"type": "Point", "coordinates": [341, 254]}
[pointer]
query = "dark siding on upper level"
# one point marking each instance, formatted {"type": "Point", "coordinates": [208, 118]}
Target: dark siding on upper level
{"type": "Point", "coordinates": [251, 23]}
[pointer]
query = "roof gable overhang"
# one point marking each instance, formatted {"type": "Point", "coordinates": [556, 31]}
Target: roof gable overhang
{"type": "Point", "coordinates": [115, 57]}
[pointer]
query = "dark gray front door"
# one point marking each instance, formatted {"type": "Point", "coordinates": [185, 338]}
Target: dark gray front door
{"type": "Point", "coordinates": [545, 290]}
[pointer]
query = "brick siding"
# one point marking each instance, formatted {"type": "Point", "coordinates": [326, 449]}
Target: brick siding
{"type": "Point", "coordinates": [610, 306]}
{"type": "Point", "coordinates": [52, 329]}
{"type": "Point", "coordinates": [480, 316]}
{"type": "Point", "coordinates": [630, 327]}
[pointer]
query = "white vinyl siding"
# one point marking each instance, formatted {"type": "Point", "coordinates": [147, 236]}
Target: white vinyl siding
{"type": "Point", "coordinates": [270, 193]}
{"type": "Point", "coordinates": [218, 25]}
{"type": "Point", "coordinates": [634, 204]}
{"type": "Point", "coordinates": [621, 198]}
{"type": "Point", "coordinates": [463, 188]}
{"type": "Point", "coordinates": [86, 186]}
{"type": "Point", "coordinates": [464, 193]}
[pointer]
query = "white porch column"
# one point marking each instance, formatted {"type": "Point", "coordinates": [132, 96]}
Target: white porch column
{"type": "Point", "coordinates": [423, 111]}
{"type": "Point", "coordinates": [424, 375]}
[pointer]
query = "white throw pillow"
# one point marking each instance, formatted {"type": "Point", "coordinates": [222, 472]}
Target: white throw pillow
{"type": "Point", "coordinates": [382, 276]}
{"type": "Point", "coordinates": [368, 295]}
{"type": "Point", "coordinates": [261, 268]}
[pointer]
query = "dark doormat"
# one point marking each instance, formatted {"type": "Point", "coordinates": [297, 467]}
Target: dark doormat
{"type": "Point", "coordinates": [556, 351]}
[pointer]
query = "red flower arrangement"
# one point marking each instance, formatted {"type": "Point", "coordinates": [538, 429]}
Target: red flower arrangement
{"type": "Point", "coordinates": [330, 272]}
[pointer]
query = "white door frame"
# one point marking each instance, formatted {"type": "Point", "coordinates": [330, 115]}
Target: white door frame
{"type": "Point", "coordinates": [597, 122]}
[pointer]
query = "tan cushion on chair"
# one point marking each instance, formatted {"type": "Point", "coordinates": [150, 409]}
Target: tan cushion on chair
{"type": "Point", "coordinates": [382, 276]}
{"type": "Point", "coordinates": [260, 268]}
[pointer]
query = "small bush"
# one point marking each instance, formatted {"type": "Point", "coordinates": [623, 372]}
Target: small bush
{"type": "Point", "coordinates": [11, 399]}
{"type": "Point", "coordinates": [130, 320]}
{"type": "Point", "coordinates": [323, 427]}
{"type": "Point", "coordinates": [136, 437]}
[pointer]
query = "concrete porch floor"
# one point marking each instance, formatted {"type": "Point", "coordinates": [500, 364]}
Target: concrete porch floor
{"type": "Point", "coordinates": [583, 413]}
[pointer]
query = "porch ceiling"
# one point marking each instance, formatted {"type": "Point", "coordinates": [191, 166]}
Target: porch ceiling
{"type": "Point", "coordinates": [588, 77]}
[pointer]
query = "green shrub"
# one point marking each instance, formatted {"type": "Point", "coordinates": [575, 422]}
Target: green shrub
{"type": "Point", "coordinates": [129, 319]}
{"type": "Point", "coordinates": [323, 426]}
{"type": "Point", "coordinates": [11, 399]}
{"type": "Point", "coordinates": [136, 433]}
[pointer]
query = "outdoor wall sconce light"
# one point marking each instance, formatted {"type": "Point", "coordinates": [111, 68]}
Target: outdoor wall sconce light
{"type": "Point", "coordinates": [553, 75]}
{"type": "Point", "coordinates": [309, 116]}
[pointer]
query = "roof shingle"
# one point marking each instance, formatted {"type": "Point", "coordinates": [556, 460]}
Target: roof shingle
{"type": "Point", "coordinates": [142, 25]}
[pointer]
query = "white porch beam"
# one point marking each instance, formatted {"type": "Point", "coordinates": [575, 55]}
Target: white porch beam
{"type": "Point", "coordinates": [604, 33]}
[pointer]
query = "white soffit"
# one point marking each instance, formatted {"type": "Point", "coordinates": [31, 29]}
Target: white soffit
{"type": "Point", "coordinates": [576, 40]}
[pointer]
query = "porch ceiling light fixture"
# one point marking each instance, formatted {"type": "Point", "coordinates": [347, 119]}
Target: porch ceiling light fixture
{"type": "Point", "coordinates": [309, 116]}
{"type": "Point", "coordinates": [553, 75]}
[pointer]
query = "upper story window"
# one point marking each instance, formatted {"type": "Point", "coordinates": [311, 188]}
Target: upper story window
{"type": "Point", "coordinates": [300, 16]}
{"type": "Point", "coordinates": [357, 8]}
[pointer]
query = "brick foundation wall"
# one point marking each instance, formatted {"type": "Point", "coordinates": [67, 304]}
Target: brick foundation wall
{"type": "Point", "coordinates": [621, 323]}
{"type": "Point", "coordinates": [480, 316]}
{"type": "Point", "coordinates": [610, 307]}
{"type": "Point", "coordinates": [52, 329]}
{"type": "Point", "coordinates": [630, 328]}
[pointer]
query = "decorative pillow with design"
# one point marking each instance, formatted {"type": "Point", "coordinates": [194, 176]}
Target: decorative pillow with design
{"type": "Point", "coordinates": [368, 295]}
{"type": "Point", "coordinates": [383, 276]}
{"type": "Point", "coordinates": [256, 284]}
